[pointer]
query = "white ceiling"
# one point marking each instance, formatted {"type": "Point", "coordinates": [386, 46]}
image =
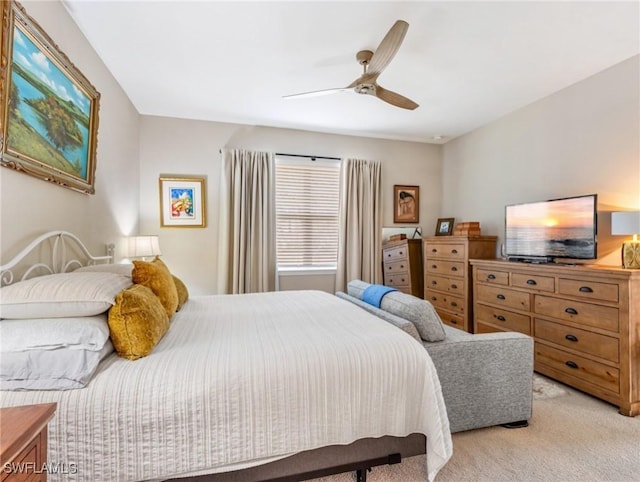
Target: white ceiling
{"type": "Point", "coordinates": [465, 63]}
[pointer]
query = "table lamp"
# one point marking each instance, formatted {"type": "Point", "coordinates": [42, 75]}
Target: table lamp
{"type": "Point", "coordinates": [144, 246]}
{"type": "Point", "coordinates": [626, 223]}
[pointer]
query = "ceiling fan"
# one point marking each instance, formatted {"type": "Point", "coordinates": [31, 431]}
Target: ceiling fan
{"type": "Point", "coordinates": [373, 63]}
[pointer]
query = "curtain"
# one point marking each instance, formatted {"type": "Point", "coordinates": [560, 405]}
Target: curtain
{"type": "Point", "coordinates": [247, 253]}
{"type": "Point", "coordinates": [360, 238]}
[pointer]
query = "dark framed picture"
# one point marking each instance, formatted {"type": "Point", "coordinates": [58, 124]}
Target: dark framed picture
{"type": "Point", "coordinates": [406, 204]}
{"type": "Point", "coordinates": [444, 227]}
{"type": "Point", "coordinates": [48, 109]}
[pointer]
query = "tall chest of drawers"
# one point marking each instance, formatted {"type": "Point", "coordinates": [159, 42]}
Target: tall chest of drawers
{"type": "Point", "coordinates": [402, 265]}
{"type": "Point", "coordinates": [585, 321]}
{"type": "Point", "coordinates": [447, 278]}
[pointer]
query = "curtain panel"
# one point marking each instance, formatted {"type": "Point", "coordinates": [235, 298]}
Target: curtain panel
{"type": "Point", "coordinates": [247, 252]}
{"type": "Point", "coordinates": [360, 238]}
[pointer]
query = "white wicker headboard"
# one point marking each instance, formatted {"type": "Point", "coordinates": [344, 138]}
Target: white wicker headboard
{"type": "Point", "coordinates": [57, 252]}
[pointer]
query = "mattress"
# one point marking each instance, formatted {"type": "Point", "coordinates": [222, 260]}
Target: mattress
{"type": "Point", "coordinates": [241, 380]}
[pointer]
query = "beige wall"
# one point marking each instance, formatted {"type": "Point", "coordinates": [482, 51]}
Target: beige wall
{"type": "Point", "coordinates": [584, 139]}
{"type": "Point", "coordinates": [31, 206]}
{"type": "Point", "coordinates": [188, 147]}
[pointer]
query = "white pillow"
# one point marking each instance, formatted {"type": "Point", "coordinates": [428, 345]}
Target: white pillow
{"type": "Point", "coordinates": [62, 295]}
{"type": "Point", "coordinates": [123, 268]}
{"type": "Point", "coordinates": [53, 353]}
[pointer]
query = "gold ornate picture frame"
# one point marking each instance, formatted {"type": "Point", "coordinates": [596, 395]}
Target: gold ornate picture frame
{"type": "Point", "coordinates": [48, 109]}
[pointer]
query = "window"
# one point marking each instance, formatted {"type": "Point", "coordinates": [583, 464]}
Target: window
{"type": "Point", "coordinates": [307, 205]}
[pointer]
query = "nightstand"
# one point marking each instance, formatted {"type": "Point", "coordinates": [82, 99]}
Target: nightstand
{"type": "Point", "coordinates": [23, 442]}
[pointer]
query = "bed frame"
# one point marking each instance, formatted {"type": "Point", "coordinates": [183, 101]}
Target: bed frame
{"type": "Point", "coordinates": [61, 251]}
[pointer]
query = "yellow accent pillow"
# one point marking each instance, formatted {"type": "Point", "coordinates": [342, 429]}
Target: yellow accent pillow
{"type": "Point", "coordinates": [156, 275]}
{"type": "Point", "coordinates": [137, 322]}
{"type": "Point", "coordinates": [183, 292]}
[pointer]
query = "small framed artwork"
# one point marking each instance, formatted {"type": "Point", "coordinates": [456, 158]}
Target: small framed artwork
{"type": "Point", "coordinates": [48, 108]}
{"type": "Point", "coordinates": [182, 202]}
{"type": "Point", "coordinates": [444, 227]}
{"type": "Point", "coordinates": [406, 204]}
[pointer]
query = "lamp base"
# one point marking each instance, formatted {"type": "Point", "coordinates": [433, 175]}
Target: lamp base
{"type": "Point", "coordinates": [631, 254]}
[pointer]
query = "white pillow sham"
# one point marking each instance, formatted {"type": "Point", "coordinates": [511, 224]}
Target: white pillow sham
{"type": "Point", "coordinates": [62, 295]}
{"type": "Point", "coordinates": [123, 268]}
{"type": "Point", "coordinates": [52, 353]}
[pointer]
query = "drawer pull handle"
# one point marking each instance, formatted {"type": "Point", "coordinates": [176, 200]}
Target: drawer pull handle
{"type": "Point", "coordinates": [571, 311]}
{"type": "Point", "coordinates": [433, 298]}
{"type": "Point", "coordinates": [531, 282]}
{"type": "Point", "coordinates": [454, 251]}
{"type": "Point", "coordinates": [571, 364]}
{"type": "Point", "coordinates": [501, 318]}
{"type": "Point", "coordinates": [585, 289]}
{"type": "Point", "coordinates": [400, 252]}
{"type": "Point", "coordinates": [434, 266]}
{"type": "Point", "coordinates": [454, 287]}
{"type": "Point", "coordinates": [434, 282]}
{"type": "Point", "coordinates": [402, 265]}
{"type": "Point", "coordinates": [501, 297]}
{"type": "Point", "coordinates": [453, 268]}
{"type": "Point", "coordinates": [571, 337]}
{"type": "Point", "coordinates": [491, 276]}
{"type": "Point", "coordinates": [453, 303]}
{"type": "Point", "coordinates": [453, 321]}
{"type": "Point", "coordinates": [434, 250]}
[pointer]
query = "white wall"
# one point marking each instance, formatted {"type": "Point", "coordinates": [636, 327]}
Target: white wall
{"type": "Point", "coordinates": [584, 139]}
{"type": "Point", "coordinates": [31, 206]}
{"type": "Point", "coordinates": [189, 147]}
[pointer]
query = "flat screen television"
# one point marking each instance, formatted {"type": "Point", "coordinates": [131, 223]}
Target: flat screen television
{"type": "Point", "coordinates": [557, 228]}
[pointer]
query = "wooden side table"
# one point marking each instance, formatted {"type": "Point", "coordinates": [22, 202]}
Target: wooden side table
{"type": "Point", "coordinates": [23, 442]}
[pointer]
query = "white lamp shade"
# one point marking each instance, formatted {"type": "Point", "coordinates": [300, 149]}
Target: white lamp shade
{"type": "Point", "coordinates": [625, 223]}
{"type": "Point", "coordinates": [143, 246]}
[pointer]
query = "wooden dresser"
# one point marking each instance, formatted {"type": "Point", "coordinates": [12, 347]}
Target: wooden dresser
{"type": "Point", "coordinates": [585, 321]}
{"type": "Point", "coordinates": [23, 442]}
{"type": "Point", "coordinates": [447, 278]}
{"type": "Point", "coordinates": [402, 265]}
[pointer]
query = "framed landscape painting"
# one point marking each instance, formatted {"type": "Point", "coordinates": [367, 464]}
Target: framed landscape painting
{"type": "Point", "coordinates": [49, 110]}
{"type": "Point", "coordinates": [182, 202]}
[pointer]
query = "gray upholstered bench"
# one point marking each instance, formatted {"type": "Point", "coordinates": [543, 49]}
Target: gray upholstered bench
{"type": "Point", "coordinates": [486, 379]}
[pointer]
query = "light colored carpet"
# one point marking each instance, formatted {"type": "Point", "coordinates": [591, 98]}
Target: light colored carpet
{"type": "Point", "coordinates": [571, 437]}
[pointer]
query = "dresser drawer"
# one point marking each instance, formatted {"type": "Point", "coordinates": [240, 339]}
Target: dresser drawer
{"type": "Point", "coordinates": [394, 254]}
{"type": "Point", "coordinates": [396, 267]}
{"type": "Point", "coordinates": [505, 297]}
{"type": "Point", "coordinates": [585, 341]}
{"type": "Point", "coordinates": [397, 280]}
{"type": "Point", "coordinates": [451, 319]}
{"type": "Point", "coordinates": [536, 282]}
{"type": "Point", "coordinates": [590, 371]}
{"type": "Point", "coordinates": [446, 301]}
{"type": "Point", "coordinates": [449, 268]}
{"type": "Point", "coordinates": [494, 277]}
{"type": "Point", "coordinates": [598, 316]}
{"type": "Point", "coordinates": [450, 285]}
{"type": "Point", "coordinates": [506, 320]}
{"type": "Point", "coordinates": [445, 251]}
{"type": "Point", "coordinates": [588, 289]}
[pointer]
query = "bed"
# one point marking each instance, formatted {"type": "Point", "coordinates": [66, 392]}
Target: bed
{"type": "Point", "coordinates": [281, 385]}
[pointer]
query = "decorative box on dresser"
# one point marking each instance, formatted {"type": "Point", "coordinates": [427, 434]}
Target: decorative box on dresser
{"type": "Point", "coordinates": [585, 321]}
{"type": "Point", "coordinates": [402, 265]}
{"type": "Point", "coordinates": [447, 275]}
{"type": "Point", "coordinates": [23, 442]}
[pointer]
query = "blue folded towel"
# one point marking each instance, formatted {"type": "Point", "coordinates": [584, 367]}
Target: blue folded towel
{"type": "Point", "coordinates": [373, 294]}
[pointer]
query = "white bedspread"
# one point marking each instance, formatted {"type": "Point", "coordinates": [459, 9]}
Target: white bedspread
{"type": "Point", "coordinates": [240, 379]}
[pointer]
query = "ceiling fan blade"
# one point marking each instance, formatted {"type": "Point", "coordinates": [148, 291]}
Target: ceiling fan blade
{"type": "Point", "coordinates": [387, 48]}
{"type": "Point", "coordinates": [394, 98]}
{"type": "Point", "coordinates": [316, 93]}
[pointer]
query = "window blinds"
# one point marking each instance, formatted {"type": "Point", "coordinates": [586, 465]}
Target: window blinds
{"type": "Point", "coordinates": [307, 208]}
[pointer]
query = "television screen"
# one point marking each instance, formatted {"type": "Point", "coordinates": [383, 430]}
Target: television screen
{"type": "Point", "coordinates": [558, 228]}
